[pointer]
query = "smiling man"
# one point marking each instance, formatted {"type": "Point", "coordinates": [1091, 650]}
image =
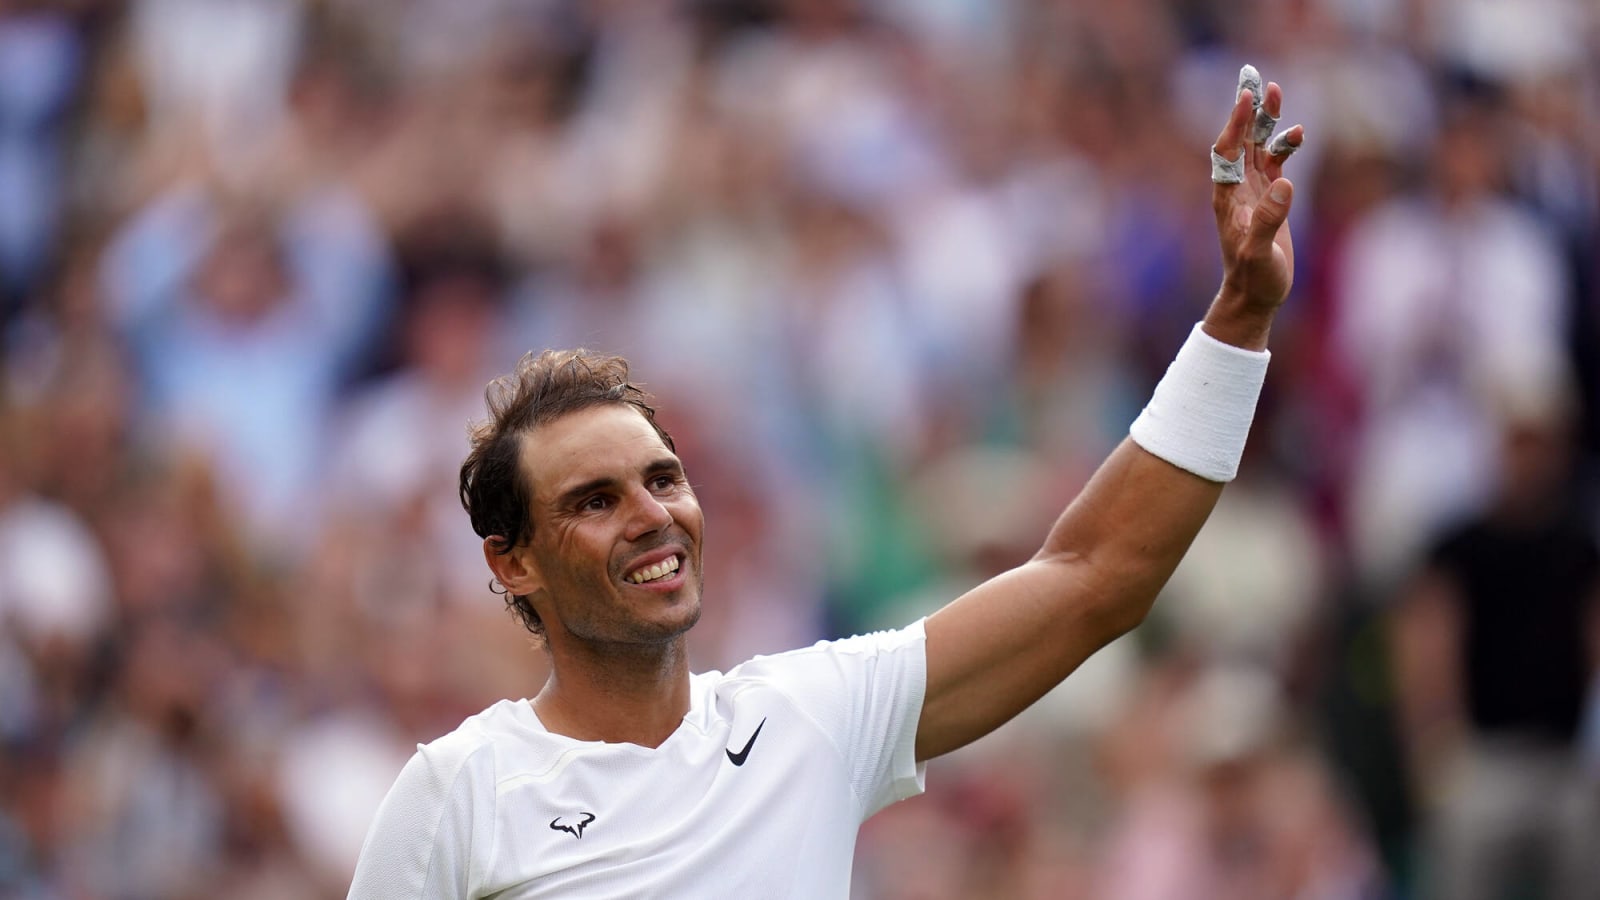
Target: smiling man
{"type": "Point", "coordinates": [628, 776]}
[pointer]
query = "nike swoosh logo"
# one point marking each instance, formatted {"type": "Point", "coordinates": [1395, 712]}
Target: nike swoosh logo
{"type": "Point", "coordinates": [738, 758]}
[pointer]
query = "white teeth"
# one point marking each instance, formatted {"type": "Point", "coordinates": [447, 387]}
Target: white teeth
{"type": "Point", "coordinates": [659, 570]}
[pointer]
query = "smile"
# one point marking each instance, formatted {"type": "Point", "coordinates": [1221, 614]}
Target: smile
{"type": "Point", "coordinates": [664, 569]}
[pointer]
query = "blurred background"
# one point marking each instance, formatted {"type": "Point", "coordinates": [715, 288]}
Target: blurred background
{"type": "Point", "coordinates": [900, 272]}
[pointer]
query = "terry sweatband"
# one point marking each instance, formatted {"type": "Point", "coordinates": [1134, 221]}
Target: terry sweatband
{"type": "Point", "coordinates": [1200, 414]}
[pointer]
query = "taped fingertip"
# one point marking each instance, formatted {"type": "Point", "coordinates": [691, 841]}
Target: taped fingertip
{"type": "Point", "coordinates": [1250, 80]}
{"type": "Point", "coordinates": [1280, 145]}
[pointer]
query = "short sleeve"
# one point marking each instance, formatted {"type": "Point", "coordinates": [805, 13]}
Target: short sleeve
{"type": "Point", "coordinates": [865, 693]}
{"type": "Point", "coordinates": [421, 842]}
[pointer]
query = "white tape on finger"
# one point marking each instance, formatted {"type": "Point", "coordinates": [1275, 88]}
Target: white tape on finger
{"type": "Point", "coordinates": [1250, 79]}
{"type": "Point", "coordinates": [1264, 123]}
{"type": "Point", "coordinates": [1262, 126]}
{"type": "Point", "coordinates": [1200, 414]}
{"type": "Point", "coordinates": [1227, 171]}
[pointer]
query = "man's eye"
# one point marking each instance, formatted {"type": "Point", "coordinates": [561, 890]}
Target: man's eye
{"type": "Point", "coordinates": [663, 482]}
{"type": "Point", "coordinates": [598, 501]}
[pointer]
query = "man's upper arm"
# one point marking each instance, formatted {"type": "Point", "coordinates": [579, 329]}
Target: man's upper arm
{"type": "Point", "coordinates": [1003, 645]}
{"type": "Point", "coordinates": [419, 844]}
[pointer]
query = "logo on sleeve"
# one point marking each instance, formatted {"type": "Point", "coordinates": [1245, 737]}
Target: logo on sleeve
{"type": "Point", "coordinates": [575, 829]}
{"type": "Point", "coordinates": [738, 758]}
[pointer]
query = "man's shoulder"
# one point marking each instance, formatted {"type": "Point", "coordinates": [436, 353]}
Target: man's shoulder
{"type": "Point", "coordinates": [505, 726]}
{"type": "Point", "coordinates": [802, 659]}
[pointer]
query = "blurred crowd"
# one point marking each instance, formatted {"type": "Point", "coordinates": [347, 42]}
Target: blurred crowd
{"type": "Point", "coordinates": [900, 273]}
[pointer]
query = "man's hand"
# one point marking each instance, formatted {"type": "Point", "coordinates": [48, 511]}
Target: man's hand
{"type": "Point", "coordinates": [1257, 251]}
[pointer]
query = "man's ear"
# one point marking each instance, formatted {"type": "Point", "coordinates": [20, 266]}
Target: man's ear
{"type": "Point", "coordinates": [516, 570]}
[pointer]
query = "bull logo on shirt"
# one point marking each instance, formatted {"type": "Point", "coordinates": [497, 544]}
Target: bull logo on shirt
{"type": "Point", "coordinates": [574, 830]}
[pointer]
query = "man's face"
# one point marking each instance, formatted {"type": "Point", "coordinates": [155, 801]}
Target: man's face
{"type": "Point", "coordinates": [611, 507]}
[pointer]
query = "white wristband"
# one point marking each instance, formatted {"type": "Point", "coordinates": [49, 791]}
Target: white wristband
{"type": "Point", "coordinates": [1200, 414]}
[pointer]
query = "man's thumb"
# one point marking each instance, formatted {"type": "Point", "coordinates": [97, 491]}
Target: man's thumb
{"type": "Point", "coordinates": [1270, 213]}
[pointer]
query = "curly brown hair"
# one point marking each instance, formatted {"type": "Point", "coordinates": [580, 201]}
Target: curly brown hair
{"type": "Point", "coordinates": [495, 490]}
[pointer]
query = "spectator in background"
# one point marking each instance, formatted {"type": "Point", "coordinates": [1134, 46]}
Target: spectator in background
{"type": "Point", "coordinates": [217, 72]}
{"type": "Point", "coordinates": [144, 814]}
{"type": "Point", "coordinates": [1495, 645]}
{"type": "Point", "coordinates": [243, 325]}
{"type": "Point", "coordinates": [1218, 799]}
{"type": "Point", "coordinates": [41, 61]}
{"type": "Point", "coordinates": [392, 463]}
{"type": "Point", "coordinates": [1443, 296]}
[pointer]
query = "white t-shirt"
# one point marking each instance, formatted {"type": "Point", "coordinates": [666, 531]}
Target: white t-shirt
{"type": "Point", "coordinates": [758, 793]}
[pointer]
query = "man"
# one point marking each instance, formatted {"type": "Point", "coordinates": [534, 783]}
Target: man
{"type": "Point", "coordinates": [1494, 643]}
{"type": "Point", "coordinates": [628, 776]}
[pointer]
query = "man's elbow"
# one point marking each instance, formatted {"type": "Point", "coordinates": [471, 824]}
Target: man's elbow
{"type": "Point", "coordinates": [1114, 599]}
{"type": "Point", "coordinates": [1121, 614]}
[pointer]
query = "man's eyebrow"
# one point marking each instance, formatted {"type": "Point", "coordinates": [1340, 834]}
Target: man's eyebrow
{"type": "Point", "coordinates": [582, 490]}
{"type": "Point", "coordinates": [666, 465]}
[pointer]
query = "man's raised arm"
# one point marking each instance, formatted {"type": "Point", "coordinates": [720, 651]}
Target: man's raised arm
{"type": "Point", "coordinates": [1001, 646]}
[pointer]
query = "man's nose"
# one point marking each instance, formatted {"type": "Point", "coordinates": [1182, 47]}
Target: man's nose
{"type": "Point", "coordinates": [647, 514]}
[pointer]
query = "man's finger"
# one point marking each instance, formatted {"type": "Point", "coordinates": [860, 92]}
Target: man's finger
{"type": "Point", "coordinates": [1272, 101]}
{"type": "Point", "coordinates": [1265, 121]}
{"type": "Point", "coordinates": [1265, 113]}
{"type": "Point", "coordinates": [1287, 142]}
{"type": "Point", "coordinates": [1250, 80]}
{"type": "Point", "coordinates": [1281, 148]}
{"type": "Point", "coordinates": [1262, 126]}
{"type": "Point", "coordinates": [1230, 142]}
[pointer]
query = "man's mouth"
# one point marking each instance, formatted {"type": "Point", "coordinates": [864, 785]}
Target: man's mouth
{"type": "Point", "coordinates": [661, 570]}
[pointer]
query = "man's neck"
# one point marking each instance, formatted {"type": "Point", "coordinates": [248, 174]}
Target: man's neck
{"type": "Point", "coordinates": [618, 695]}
